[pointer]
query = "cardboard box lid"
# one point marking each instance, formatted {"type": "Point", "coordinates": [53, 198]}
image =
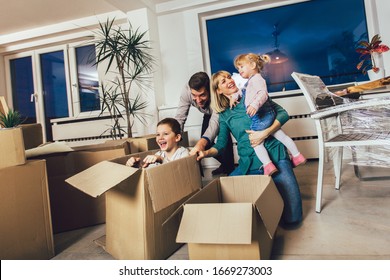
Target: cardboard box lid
{"type": "Point", "coordinates": [270, 205]}
{"type": "Point", "coordinates": [216, 223]}
{"type": "Point", "coordinates": [101, 177]}
{"type": "Point", "coordinates": [172, 181]}
{"type": "Point", "coordinates": [261, 191]}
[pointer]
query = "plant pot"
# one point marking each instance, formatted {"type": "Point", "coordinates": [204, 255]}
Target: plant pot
{"type": "Point", "coordinates": [376, 76]}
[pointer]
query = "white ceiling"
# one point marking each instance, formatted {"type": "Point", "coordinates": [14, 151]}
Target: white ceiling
{"type": "Point", "coordinates": [20, 15]}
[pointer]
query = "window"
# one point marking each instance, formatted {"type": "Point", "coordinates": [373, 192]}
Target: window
{"type": "Point", "coordinates": [318, 37]}
{"type": "Point", "coordinates": [55, 82]}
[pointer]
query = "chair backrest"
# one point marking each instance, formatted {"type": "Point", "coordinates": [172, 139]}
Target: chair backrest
{"type": "Point", "coordinates": [314, 90]}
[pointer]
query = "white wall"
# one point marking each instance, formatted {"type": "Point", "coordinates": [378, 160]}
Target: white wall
{"type": "Point", "coordinates": [383, 12]}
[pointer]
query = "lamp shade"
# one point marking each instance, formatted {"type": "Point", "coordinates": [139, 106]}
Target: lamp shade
{"type": "Point", "coordinates": [277, 56]}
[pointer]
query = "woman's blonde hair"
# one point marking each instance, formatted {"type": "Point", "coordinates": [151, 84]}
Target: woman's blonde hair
{"type": "Point", "coordinates": [259, 60]}
{"type": "Point", "coordinates": [219, 102]}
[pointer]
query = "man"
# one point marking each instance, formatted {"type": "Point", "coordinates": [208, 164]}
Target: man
{"type": "Point", "coordinates": [197, 93]}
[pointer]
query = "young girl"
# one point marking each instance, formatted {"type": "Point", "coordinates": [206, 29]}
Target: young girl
{"type": "Point", "coordinates": [259, 109]}
{"type": "Point", "coordinates": [168, 137]}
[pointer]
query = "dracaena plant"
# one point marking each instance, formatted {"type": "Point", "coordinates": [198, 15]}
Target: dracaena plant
{"type": "Point", "coordinates": [367, 49]}
{"type": "Point", "coordinates": [126, 53]}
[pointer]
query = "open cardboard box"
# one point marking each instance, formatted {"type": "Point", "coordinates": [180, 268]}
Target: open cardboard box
{"type": "Point", "coordinates": [25, 224]}
{"type": "Point", "coordinates": [139, 201]}
{"type": "Point", "coordinates": [232, 218]}
{"type": "Point", "coordinates": [70, 208]}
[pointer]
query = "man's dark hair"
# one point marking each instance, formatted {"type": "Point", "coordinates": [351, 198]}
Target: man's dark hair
{"type": "Point", "coordinates": [199, 80]}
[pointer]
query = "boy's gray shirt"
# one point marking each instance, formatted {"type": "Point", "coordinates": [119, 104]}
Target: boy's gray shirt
{"type": "Point", "coordinates": [183, 109]}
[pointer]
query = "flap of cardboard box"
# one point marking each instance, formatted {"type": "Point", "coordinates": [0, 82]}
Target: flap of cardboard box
{"type": "Point", "coordinates": [172, 181]}
{"type": "Point", "coordinates": [216, 223]}
{"type": "Point", "coordinates": [101, 177]}
{"type": "Point", "coordinates": [269, 205]}
{"type": "Point", "coordinates": [258, 189]}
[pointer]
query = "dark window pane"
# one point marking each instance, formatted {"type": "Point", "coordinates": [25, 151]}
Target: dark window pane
{"type": "Point", "coordinates": [87, 79]}
{"type": "Point", "coordinates": [54, 88]}
{"type": "Point", "coordinates": [23, 87]}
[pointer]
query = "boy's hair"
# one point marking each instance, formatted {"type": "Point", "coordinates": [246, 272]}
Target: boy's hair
{"type": "Point", "coordinates": [173, 124]}
{"type": "Point", "coordinates": [219, 102]}
{"type": "Point", "coordinates": [259, 60]}
{"type": "Point", "coordinates": [199, 80]}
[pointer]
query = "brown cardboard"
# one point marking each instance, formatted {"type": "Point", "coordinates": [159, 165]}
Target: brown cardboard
{"type": "Point", "coordinates": [70, 208]}
{"type": "Point", "coordinates": [139, 201]}
{"type": "Point", "coordinates": [25, 223]}
{"type": "Point", "coordinates": [232, 218]}
{"type": "Point", "coordinates": [11, 147]}
{"type": "Point", "coordinates": [32, 135]}
{"type": "Point", "coordinates": [148, 142]}
{"type": "Point", "coordinates": [3, 106]}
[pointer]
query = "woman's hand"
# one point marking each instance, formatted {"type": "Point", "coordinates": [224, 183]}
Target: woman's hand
{"type": "Point", "coordinates": [201, 155]}
{"type": "Point", "coordinates": [200, 146]}
{"type": "Point", "coordinates": [257, 137]}
{"type": "Point", "coordinates": [212, 152]}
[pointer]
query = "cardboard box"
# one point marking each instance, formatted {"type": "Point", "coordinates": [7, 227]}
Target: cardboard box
{"type": "Point", "coordinates": [139, 201]}
{"type": "Point", "coordinates": [11, 147]}
{"type": "Point", "coordinates": [25, 224]}
{"type": "Point", "coordinates": [148, 142]}
{"type": "Point", "coordinates": [70, 208]}
{"type": "Point", "coordinates": [3, 106]}
{"type": "Point", "coordinates": [32, 135]}
{"type": "Point", "coordinates": [232, 218]}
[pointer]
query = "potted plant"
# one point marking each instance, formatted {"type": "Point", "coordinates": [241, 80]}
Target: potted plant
{"type": "Point", "coordinates": [125, 53]}
{"type": "Point", "coordinates": [369, 52]}
{"type": "Point", "coordinates": [10, 119]}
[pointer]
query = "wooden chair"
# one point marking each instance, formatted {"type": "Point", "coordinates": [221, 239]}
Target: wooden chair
{"type": "Point", "coordinates": [313, 88]}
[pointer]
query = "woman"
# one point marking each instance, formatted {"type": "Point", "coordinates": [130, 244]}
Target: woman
{"type": "Point", "coordinates": [235, 120]}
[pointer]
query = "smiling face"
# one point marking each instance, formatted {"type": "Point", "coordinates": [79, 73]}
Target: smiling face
{"type": "Point", "coordinates": [201, 96]}
{"type": "Point", "coordinates": [226, 85]}
{"type": "Point", "coordinates": [166, 138]}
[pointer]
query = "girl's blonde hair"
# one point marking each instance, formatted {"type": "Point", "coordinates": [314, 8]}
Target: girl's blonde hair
{"type": "Point", "coordinates": [259, 60]}
{"type": "Point", "coordinates": [219, 102]}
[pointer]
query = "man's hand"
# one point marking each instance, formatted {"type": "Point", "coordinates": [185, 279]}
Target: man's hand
{"type": "Point", "coordinates": [200, 146]}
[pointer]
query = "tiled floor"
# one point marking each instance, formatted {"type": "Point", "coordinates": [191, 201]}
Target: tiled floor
{"type": "Point", "coordinates": [354, 223]}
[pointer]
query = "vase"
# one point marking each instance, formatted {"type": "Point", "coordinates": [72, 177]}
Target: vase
{"type": "Point", "coordinates": [376, 76]}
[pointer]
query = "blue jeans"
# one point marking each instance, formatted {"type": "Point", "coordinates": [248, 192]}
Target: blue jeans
{"type": "Point", "coordinates": [262, 122]}
{"type": "Point", "coordinates": [288, 187]}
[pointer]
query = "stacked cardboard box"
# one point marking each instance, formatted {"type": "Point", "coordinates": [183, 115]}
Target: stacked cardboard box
{"type": "Point", "coordinates": [71, 209]}
{"type": "Point", "coordinates": [25, 223]}
{"type": "Point", "coordinates": [11, 147]}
